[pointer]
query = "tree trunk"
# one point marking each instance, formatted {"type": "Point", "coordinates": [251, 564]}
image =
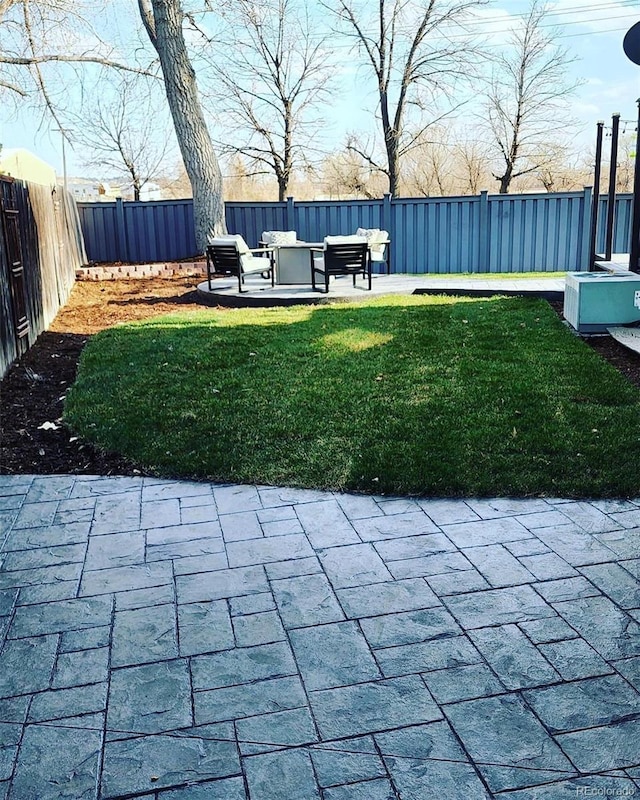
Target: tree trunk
{"type": "Point", "coordinates": [199, 157]}
{"type": "Point", "coordinates": [282, 188]}
{"type": "Point", "coordinates": [394, 177]}
{"type": "Point", "coordinates": [284, 176]}
{"type": "Point", "coordinates": [390, 143]}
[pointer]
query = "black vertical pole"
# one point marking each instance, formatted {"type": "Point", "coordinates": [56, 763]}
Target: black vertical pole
{"type": "Point", "coordinates": [634, 252]}
{"type": "Point", "coordinates": [595, 206]}
{"type": "Point", "coordinates": [613, 167]}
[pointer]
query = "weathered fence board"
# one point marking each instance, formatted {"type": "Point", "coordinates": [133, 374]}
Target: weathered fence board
{"type": "Point", "coordinates": [485, 233]}
{"type": "Point", "coordinates": [52, 249]}
{"type": "Point", "coordinates": [8, 344]}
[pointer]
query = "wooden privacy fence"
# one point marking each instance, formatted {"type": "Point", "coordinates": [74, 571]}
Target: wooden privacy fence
{"type": "Point", "coordinates": [41, 246]}
{"type": "Point", "coordinates": [484, 233]}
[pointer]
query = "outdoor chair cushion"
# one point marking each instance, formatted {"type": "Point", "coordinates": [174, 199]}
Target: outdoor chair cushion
{"type": "Point", "coordinates": [343, 240]}
{"type": "Point", "coordinates": [279, 237]}
{"type": "Point", "coordinates": [377, 239]}
{"type": "Point", "coordinates": [253, 263]}
{"type": "Point", "coordinates": [250, 263]}
{"type": "Point", "coordinates": [232, 238]}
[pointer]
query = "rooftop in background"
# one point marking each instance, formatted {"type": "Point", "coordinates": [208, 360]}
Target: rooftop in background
{"type": "Point", "coordinates": [92, 190]}
{"type": "Point", "coordinates": [24, 165]}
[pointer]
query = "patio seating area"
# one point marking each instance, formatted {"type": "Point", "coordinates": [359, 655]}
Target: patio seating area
{"type": "Point", "coordinates": [285, 259]}
{"type": "Point", "coordinates": [182, 641]}
{"type": "Point", "coordinates": [260, 293]}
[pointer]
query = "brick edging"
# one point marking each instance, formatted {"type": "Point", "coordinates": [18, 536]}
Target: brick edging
{"type": "Point", "coordinates": [158, 270]}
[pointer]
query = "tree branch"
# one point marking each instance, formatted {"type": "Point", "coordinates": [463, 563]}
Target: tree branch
{"type": "Point", "coordinates": [148, 20]}
{"type": "Point", "coordinates": [368, 158]}
{"type": "Point", "coordinates": [12, 87]}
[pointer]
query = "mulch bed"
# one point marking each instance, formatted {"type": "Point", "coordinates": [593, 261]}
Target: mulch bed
{"type": "Point", "coordinates": [32, 393]}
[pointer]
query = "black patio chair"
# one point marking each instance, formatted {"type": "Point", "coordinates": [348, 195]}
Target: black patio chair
{"type": "Point", "coordinates": [231, 256]}
{"type": "Point", "coordinates": [350, 256]}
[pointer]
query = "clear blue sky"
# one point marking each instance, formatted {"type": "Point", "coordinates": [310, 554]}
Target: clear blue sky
{"type": "Point", "coordinates": [592, 30]}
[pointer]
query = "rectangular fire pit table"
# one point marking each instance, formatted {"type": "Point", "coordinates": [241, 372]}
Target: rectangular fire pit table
{"type": "Point", "coordinates": [293, 262]}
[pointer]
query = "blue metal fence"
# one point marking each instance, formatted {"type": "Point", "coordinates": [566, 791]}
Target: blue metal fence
{"type": "Point", "coordinates": [102, 236]}
{"type": "Point", "coordinates": [436, 234]}
{"type": "Point", "coordinates": [484, 233]}
{"type": "Point", "coordinates": [250, 219]}
{"type": "Point", "coordinates": [315, 220]}
{"type": "Point", "coordinates": [537, 232]}
{"type": "Point", "coordinates": [622, 227]}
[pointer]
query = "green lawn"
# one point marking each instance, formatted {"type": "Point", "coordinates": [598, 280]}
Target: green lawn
{"type": "Point", "coordinates": [418, 395]}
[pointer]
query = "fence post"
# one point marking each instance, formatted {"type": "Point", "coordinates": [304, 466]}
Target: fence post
{"type": "Point", "coordinates": [386, 221]}
{"type": "Point", "coordinates": [585, 254]}
{"type": "Point", "coordinates": [386, 224]}
{"type": "Point", "coordinates": [634, 247]}
{"type": "Point", "coordinates": [484, 253]}
{"type": "Point", "coordinates": [121, 232]}
{"type": "Point", "coordinates": [290, 214]}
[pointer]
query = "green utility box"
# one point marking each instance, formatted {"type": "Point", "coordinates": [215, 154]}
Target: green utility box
{"type": "Point", "coordinates": [594, 301]}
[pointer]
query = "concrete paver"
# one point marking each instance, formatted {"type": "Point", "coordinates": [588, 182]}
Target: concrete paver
{"type": "Point", "coordinates": [259, 293]}
{"type": "Point", "coordinates": [171, 640]}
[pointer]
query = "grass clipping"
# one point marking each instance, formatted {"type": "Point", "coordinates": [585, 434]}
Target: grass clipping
{"type": "Point", "coordinates": [422, 395]}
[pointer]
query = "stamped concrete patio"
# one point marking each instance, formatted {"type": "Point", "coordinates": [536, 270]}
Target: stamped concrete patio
{"type": "Point", "coordinates": [185, 641]}
{"type": "Point", "coordinates": [259, 293]}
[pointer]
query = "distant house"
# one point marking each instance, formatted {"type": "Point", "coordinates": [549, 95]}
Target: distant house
{"type": "Point", "coordinates": [151, 191]}
{"type": "Point", "coordinates": [90, 190]}
{"type": "Point", "coordinates": [20, 163]}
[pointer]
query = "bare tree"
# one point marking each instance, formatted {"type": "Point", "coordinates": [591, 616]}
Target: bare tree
{"type": "Point", "coordinates": [626, 162]}
{"type": "Point", "coordinates": [447, 164]}
{"type": "Point", "coordinates": [346, 175]}
{"type": "Point", "coordinates": [557, 173]}
{"type": "Point", "coordinates": [415, 51]}
{"type": "Point", "coordinates": [163, 20]}
{"type": "Point", "coordinates": [242, 183]}
{"type": "Point", "coordinates": [175, 182]}
{"type": "Point", "coordinates": [429, 168]}
{"type": "Point", "coordinates": [120, 132]}
{"type": "Point", "coordinates": [35, 33]}
{"type": "Point", "coordinates": [472, 165]}
{"type": "Point", "coordinates": [525, 97]}
{"type": "Point", "coordinates": [43, 35]}
{"type": "Point", "coordinates": [270, 69]}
